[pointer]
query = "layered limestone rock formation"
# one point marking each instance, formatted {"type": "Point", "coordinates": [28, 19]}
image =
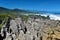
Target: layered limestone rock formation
{"type": "Point", "coordinates": [36, 28]}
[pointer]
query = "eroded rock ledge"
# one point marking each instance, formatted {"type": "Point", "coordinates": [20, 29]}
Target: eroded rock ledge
{"type": "Point", "coordinates": [35, 28]}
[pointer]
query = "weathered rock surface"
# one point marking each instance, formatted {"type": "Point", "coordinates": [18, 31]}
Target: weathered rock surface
{"type": "Point", "coordinates": [33, 29]}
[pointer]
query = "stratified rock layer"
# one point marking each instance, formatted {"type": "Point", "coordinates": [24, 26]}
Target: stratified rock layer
{"type": "Point", "coordinates": [33, 29]}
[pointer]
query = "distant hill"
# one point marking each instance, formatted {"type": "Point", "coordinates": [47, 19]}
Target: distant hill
{"type": "Point", "coordinates": [14, 11]}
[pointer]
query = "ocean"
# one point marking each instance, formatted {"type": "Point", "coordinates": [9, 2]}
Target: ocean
{"type": "Point", "coordinates": [53, 16]}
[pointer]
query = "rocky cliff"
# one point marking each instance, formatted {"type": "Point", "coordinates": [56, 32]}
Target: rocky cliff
{"type": "Point", "coordinates": [30, 28]}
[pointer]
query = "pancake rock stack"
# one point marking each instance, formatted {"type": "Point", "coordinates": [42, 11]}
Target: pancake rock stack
{"type": "Point", "coordinates": [35, 28]}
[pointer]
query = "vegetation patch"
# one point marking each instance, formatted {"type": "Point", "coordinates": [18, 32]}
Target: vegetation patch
{"type": "Point", "coordinates": [25, 18]}
{"type": "Point", "coordinates": [3, 18]}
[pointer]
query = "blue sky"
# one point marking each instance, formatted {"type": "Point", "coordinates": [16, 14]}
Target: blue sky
{"type": "Point", "coordinates": [40, 5]}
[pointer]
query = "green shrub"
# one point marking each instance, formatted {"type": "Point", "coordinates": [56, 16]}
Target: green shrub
{"type": "Point", "coordinates": [25, 18]}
